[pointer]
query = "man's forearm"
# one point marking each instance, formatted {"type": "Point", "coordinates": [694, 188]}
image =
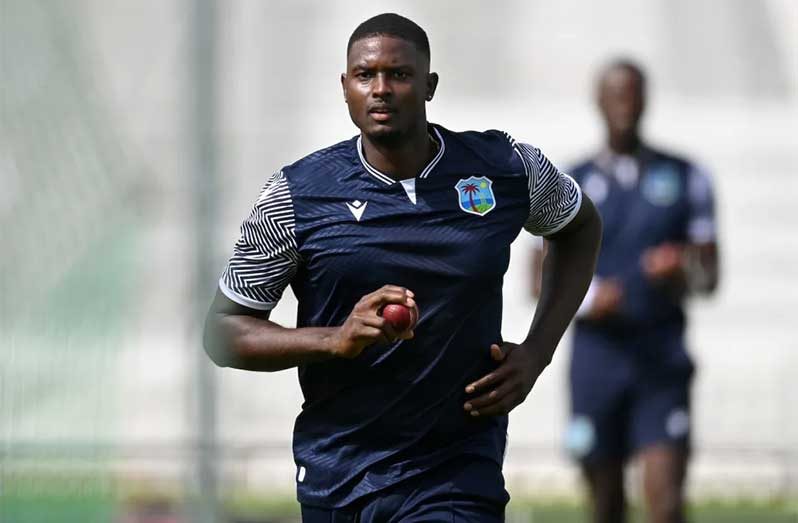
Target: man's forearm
{"type": "Point", "coordinates": [245, 338]}
{"type": "Point", "coordinates": [703, 268]}
{"type": "Point", "coordinates": [248, 343]}
{"type": "Point", "coordinates": [567, 271]}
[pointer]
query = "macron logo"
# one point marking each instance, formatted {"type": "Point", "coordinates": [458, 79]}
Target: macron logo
{"type": "Point", "coordinates": [356, 208]}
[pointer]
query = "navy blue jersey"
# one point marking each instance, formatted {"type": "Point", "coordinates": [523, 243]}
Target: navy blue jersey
{"type": "Point", "coordinates": [335, 228]}
{"type": "Point", "coordinates": [645, 200]}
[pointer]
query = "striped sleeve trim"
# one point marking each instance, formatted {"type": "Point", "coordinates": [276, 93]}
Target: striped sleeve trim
{"type": "Point", "coordinates": [554, 197]}
{"type": "Point", "coordinates": [265, 258]}
{"type": "Point", "coordinates": [701, 227]}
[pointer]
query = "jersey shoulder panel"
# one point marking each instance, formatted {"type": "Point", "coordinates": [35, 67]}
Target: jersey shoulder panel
{"type": "Point", "coordinates": [322, 165]}
{"type": "Point", "coordinates": [494, 147]}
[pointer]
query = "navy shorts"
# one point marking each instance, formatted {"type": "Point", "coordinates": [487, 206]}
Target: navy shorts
{"type": "Point", "coordinates": [626, 396]}
{"type": "Point", "coordinates": [466, 489]}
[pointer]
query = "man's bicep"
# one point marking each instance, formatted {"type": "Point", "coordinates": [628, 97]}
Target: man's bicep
{"type": "Point", "coordinates": [702, 234]}
{"type": "Point", "coordinates": [219, 333]}
{"type": "Point", "coordinates": [225, 306]}
{"type": "Point", "coordinates": [538, 255]}
{"type": "Point", "coordinates": [586, 213]}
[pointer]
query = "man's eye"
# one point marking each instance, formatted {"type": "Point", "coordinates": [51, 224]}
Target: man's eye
{"type": "Point", "coordinates": [364, 75]}
{"type": "Point", "coordinates": [401, 75]}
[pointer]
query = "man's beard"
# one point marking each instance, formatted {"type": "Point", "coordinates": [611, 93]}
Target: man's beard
{"type": "Point", "coordinates": [387, 137]}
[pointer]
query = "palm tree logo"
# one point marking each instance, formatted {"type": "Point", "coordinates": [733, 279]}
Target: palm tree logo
{"type": "Point", "coordinates": [475, 195]}
{"type": "Point", "coordinates": [470, 189]}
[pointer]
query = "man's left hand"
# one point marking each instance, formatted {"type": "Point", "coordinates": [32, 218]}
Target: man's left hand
{"type": "Point", "coordinates": [500, 391]}
{"type": "Point", "coordinates": [663, 262]}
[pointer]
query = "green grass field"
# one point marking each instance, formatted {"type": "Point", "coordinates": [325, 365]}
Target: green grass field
{"type": "Point", "coordinates": [84, 504]}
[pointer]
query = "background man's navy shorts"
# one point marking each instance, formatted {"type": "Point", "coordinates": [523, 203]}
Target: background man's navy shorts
{"type": "Point", "coordinates": [625, 399]}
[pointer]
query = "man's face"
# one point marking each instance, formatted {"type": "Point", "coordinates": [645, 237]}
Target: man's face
{"type": "Point", "coordinates": [386, 85]}
{"type": "Point", "coordinates": [621, 100]}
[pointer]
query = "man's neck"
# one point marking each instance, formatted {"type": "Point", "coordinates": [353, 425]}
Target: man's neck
{"type": "Point", "coordinates": [401, 160]}
{"type": "Point", "coordinates": [624, 143]}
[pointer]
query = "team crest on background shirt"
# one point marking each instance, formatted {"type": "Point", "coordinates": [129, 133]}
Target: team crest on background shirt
{"type": "Point", "coordinates": [475, 195]}
{"type": "Point", "coordinates": [661, 186]}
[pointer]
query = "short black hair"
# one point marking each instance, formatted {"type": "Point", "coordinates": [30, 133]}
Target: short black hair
{"type": "Point", "coordinates": [627, 64]}
{"type": "Point", "coordinates": [391, 24]}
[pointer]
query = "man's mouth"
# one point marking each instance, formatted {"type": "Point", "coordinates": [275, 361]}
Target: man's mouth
{"type": "Point", "coordinates": [382, 113]}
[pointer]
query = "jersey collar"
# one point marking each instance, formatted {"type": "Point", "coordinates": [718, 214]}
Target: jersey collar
{"type": "Point", "coordinates": [387, 180]}
{"type": "Point", "coordinates": [606, 157]}
{"type": "Point", "coordinates": [626, 169]}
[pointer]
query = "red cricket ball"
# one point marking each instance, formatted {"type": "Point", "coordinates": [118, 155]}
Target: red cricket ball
{"type": "Point", "coordinates": [399, 316]}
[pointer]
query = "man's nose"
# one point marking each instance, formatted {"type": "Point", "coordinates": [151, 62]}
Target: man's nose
{"type": "Point", "coordinates": [381, 86]}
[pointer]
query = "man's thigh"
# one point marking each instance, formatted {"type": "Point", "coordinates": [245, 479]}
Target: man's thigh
{"type": "Point", "coordinates": [599, 424]}
{"type": "Point", "coordinates": [600, 378]}
{"type": "Point", "coordinates": [660, 415]}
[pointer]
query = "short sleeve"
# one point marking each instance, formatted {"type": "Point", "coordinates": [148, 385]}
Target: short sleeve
{"type": "Point", "coordinates": [265, 258]}
{"type": "Point", "coordinates": [554, 197]}
{"type": "Point", "coordinates": [701, 227]}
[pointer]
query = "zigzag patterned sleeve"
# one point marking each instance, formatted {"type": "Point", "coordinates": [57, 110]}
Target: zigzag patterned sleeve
{"type": "Point", "coordinates": [554, 197]}
{"type": "Point", "coordinates": [265, 258]}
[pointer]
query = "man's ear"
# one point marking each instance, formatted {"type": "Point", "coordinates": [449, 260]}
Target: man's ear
{"type": "Point", "coordinates": [432, 84]}
{"type": "Point", "coordinates": [343, 86]}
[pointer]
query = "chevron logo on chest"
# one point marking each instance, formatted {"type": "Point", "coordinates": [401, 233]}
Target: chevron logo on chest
{"type": "Point", "coordinates": [357, 208]}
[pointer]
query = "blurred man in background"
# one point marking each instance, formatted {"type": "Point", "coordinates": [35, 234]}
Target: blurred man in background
{"type": "Point", "coordinates": [630, 374]}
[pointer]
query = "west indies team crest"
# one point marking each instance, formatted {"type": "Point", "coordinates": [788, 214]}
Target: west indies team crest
{"type": "Point", "coordinates": [475, 195]}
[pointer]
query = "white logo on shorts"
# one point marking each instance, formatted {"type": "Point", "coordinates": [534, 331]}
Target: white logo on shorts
{"type": "Point", "coordinates": [300, 474]}
{"type": "Point", "coordinates": [580, 438]}
{"type": "Point", "coordinates": [678, 423]}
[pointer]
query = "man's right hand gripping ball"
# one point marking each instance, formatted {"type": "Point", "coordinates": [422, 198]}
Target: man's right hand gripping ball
{"type": "Point", "coordinates": [366, 326]}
